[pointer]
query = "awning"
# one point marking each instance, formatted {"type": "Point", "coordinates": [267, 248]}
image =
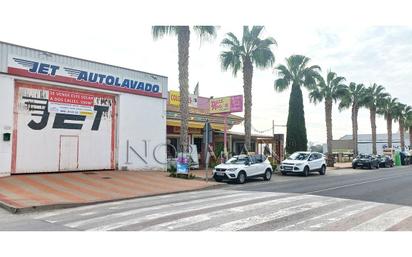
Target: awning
{"type": "Point", "coordinates": [195, 124]}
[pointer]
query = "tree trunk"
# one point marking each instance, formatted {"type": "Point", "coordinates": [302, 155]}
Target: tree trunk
{"type": "Point", "coordinates": [389, 127]}
{"type": "Point", "coordinates": [183, 38]}
{"type": "Point", "coordinates": [402, 134]}
{"type": "Point", "coordinates": [373, 126]}
{"type": "Point", "coordinates": [355, 129]}
{"type": "Point", "coordinates": [329, 136]}
{"type": "Point", "coordinates": [247, 91]}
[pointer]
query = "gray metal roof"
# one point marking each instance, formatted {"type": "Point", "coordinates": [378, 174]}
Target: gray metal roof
{"type": "Point", "coordinates": [379, 137]}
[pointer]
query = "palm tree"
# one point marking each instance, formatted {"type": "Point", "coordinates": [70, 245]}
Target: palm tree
{"type": "Point", "coordinates": [245, 54]}
{"type": "Point", "coordinates": [387, 109]}
{"type": "Point", "coordinates": [183, 41]}
{"type": "Point", "coordinates": [328, 90]}
{"type": "Point", "coordinates": [354, 97]}
{"type": "Point", "coordinates": [374, 99]}
{"type": "Point", "coordinates": [402, 111]}
{"type": "Point", "coordinates": [297, 73]}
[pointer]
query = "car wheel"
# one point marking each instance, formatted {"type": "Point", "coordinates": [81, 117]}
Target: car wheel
{"type": "Point", "coordinates": [354, 167]}
{"type": "Point", "coordinates": [322, 170]}
{"type": "Point", "coordinates": [268, 175]}
{"type": "Point", "coordinates": [306, 171]}
{"type": "Point", "coordinates": [284, 173]}
{"type": "Point", "coordinates": [241, 177]}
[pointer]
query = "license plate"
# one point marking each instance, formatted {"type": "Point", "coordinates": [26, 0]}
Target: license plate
{"type": "Point", "coordinates": [288, 168]}
{"type": "Point", "coordinates": [220, 173]}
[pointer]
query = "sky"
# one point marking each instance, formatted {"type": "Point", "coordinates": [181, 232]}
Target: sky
{"type": "Point", "coordinates": [363, 49]}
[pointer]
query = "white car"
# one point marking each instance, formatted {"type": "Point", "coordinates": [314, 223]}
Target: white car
{"type": "Point", "coordinates": [305, 163]}
{"type": "Point", "coordinates": [241, 167]}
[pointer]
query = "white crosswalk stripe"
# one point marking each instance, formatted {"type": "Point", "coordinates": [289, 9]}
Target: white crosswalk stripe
{"type": "Point", "coordinates": [231, 210]}
{"type": "Point", "coordinates": [262, 218]}
{"type": "Point", "coordinates": [330, 217]}
{"type": "Point", "coordinates": [385, 220]}
{"type": "Point", "coordinates": [222, 213]}
{"type": "Point", "coordinates": [135, 202]}
{"type": "Point", "coordinates": [153, 208]}
{"type": "Point", "coordinates": [133, 221]}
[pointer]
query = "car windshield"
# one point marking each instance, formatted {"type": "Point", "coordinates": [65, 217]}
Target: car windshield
{"type": "Point", "coordinates": [298, 156]}
{"type": "Point", "coordinates": [363, 156]}
{"type": "Point", "coordinates": [237, 160]}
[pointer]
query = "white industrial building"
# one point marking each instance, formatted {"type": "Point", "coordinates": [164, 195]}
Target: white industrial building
{"type": "Point", "coordinates": [344, 144]}
{"type": "Point", "coordinates": [59, 113]}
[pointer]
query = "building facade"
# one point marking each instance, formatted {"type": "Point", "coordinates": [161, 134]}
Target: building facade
{"type": "Point", "coordinates": [60, 113]}
{"type": "Point", "coordinates": [345, 143]}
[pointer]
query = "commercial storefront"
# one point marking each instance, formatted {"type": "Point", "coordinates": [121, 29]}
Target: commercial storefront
{"type": "Point", "coordinates": [198, 114]}
{"type": "Point", "coordinates": [59, 113]}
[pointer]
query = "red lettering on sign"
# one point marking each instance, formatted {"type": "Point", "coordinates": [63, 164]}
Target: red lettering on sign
{"type": "Point", "coordinates": [70, 98]}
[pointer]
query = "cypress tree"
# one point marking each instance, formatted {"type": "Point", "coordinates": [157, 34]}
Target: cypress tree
{"type": "Point", "coordinates": [296, 138]}
{"type": "Point", "coordinates": [298, 73]}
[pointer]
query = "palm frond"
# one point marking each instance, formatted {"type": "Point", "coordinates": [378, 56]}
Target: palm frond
{"type": "Point", "coordinates": [206, 32]}
{"type": "Point", "coordinates": [281, 84]}
{"type": "Point", "coordinates": [230, 60]}
{"type": "Point", "coordinates": [161, 31]}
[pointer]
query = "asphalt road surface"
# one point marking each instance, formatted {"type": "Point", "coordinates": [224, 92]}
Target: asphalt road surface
{"type": "Point", "coordinates": [342, 200]}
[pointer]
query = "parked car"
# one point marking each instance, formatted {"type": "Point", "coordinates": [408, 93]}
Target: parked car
{"type": "Point", "coordinates": [385, 161]}
{"type": "Point", "coordinates": [365, 161]}
{"type": "Point", "coordinates": [304, 163]}
{"type": "Point", "coordinates": [240, 167]}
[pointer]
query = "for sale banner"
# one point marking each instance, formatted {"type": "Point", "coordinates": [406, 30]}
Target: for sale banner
{"type": "Point", "coordinates": [70, 103]}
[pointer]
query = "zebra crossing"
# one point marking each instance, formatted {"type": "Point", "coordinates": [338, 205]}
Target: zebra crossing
{"type": "Point", "coordinates": [233, 210]}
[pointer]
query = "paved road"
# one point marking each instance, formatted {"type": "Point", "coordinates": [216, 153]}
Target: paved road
{"type": "Point", "coordinates": [342, 200]}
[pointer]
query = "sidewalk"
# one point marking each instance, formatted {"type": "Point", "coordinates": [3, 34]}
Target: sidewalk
{"type": "Point", "coordinates": [20, 193]}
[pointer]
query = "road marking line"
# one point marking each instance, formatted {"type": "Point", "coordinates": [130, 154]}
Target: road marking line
{"type": "Point", "coordinates": [349, 185]}
{"type": "Point", "coordinates": [175, 224]}
{"type": "Point", "coordinates": [262, 218]}
{"type": "Point", "coordinates": [126, 202]}
{"type": "Point", "coordinates": [80, 223]}
{"type": "Point", "coordinates": [138, 220]}
{"type": "Point", "coordinates": [385, 220]}
{"type": "Point", "coordinates": [330, 217]}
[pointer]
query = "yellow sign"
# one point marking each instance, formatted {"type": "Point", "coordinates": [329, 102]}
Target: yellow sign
{"type": "Point", "coordinates": [174, 99]}
{"type": "Point", "coordinates": [219, 105]}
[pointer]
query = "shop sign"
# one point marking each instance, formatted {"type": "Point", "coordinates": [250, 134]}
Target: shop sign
{"type": "Point", "coordinates": [227, 104]}
{"type": "Point", "coordinates": [174, 99]}
{"type": "Point", "coordinates": [29, 67]}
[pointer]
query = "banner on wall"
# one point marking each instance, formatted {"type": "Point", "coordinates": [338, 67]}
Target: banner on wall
{"type": "Point", "coordinates": [70, 103]}
{"type": "Point", "coordinates": [227, 104]}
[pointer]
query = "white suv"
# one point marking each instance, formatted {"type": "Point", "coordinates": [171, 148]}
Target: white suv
{"type": "Point", "coordinates": [241, 167]}
{"type": "Point", "coordinates": [304, 162]}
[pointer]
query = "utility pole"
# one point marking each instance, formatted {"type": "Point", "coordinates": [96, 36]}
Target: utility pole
{"type": "Point", "coordinates": [273, 127]}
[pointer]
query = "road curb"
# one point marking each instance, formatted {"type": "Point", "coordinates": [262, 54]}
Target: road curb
{"type": "Point", "coordinates": [18, 210]}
